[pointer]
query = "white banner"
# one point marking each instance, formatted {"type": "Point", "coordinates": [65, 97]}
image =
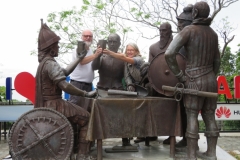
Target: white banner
{"type": "Point", "coordinates": [226, 112]}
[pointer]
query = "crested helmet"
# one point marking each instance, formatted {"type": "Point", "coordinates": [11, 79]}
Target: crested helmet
{"type": "Point", "coordinates": [46, 37]}
{"type": "Point", "coordinates": [186, 14]}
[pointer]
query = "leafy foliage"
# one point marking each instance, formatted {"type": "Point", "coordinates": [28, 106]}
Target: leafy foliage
{"type": "Point", "coordinates": [69, 24]}
{"type": "Point", "coordinates": [229, 125]}
{"type": "Point", "coordinates": [238, 61]}
{"type": "Point", "coordinates": [2, 93]}
{"type": "Point", "coordinates": [124, 17]}
{"type": "Point", "coordinates": [229, 68]}
{"type": "Point", "coordinates": [228, 65]}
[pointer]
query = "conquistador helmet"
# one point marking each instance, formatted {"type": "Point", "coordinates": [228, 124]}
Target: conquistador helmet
{"type": "Point", "coordinates": [186, 14]}
{"type": "Point", "coordinates": [46, 37]}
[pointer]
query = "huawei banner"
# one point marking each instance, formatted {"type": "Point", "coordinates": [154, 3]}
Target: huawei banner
{"type": "Point", "coordinates": [226, 112]}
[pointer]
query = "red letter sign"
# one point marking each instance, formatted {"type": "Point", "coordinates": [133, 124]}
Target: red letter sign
{"type": "Point", "coordinates": [237, 87]}
{"type": "Point", "coordinates": [223, 87]}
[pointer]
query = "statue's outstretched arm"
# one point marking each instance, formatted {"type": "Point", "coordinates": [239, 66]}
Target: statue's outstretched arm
{"type": "Point", "coordinates": [74, 63]}
{"type": "Point", "coordinates": [70, 89]}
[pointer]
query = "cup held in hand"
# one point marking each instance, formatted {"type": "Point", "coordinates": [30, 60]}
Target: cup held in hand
{"type": "Point", "coordinates": [81, 46]}
{"type": "Point", "coordinates": [102, 43]}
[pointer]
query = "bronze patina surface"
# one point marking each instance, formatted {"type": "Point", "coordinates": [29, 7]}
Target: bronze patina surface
{"type": "Point", "coordinates": [159, 73]}
{"type": "Point", "coordinates": [133, 117]}
{"type": "Point", "coordinates": [202, 66]}
{"type": "Point", "coordinates": [130, 117]}
{"type": "Point", "coordinates": [41, 134]}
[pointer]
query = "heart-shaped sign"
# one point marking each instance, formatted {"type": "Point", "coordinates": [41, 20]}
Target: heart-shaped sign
{"type": "Point", "coordinates": [24, 84]}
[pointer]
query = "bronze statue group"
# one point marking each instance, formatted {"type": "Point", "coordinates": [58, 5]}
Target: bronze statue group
{"type": "Point", "coordinates": [196, 42]}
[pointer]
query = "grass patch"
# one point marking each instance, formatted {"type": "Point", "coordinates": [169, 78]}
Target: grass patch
{"type": "Point", "coordinates": [234, 155]}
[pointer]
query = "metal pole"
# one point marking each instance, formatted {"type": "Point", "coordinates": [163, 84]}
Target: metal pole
{"type": "Point", "coordinates": [5, 129]}
{"type": "Point", "coordinates": [99, 149]}
{"type": "Point", "coordinates": [172, 146]}
{"type": "Point", "coordinates": [0, 130]}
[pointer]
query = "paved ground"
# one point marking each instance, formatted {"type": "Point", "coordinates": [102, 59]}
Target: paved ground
{"type": "Point", "coordinates": [3, 148]}
{"type": "Point", "coordinates": [230, 142]}
{"type": "Point", "coordinates": [227, 142]}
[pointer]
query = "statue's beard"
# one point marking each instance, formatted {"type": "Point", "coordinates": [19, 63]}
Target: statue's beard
{"type": "Point", "coordinates": [164, 41]}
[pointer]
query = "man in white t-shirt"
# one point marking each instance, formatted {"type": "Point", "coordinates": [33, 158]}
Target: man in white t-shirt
{"type": "Point", "coordinates": [83, 75]}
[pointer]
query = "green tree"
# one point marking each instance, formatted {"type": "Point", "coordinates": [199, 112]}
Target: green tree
{"type": "Point", "coordinates": [2, 93]}
{"type": "Point", "coordinates": [152, 13]}
{"type": "Point", "coordinates": [238, 61]}
{"type": "Point", "coordinates": [68, 24]}
{"type": "Point", "coordinates": [228, 69]}
{"type": "Point", "coordinates": [224, 29]}
{"type": "Point", "coordinates": [228, 66]}
{"type": "Point", "coordinates": [129, 18]}
{"type": "Point", "coordinates": [231, 125]}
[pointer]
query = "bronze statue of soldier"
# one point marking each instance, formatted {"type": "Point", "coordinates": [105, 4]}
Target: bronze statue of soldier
{"type": "Point", "coordinates": [202, 65]}
{"type": "Point", "coordinates": [184, 19]}
{"type": "Point", "coordinates": [51, 81]}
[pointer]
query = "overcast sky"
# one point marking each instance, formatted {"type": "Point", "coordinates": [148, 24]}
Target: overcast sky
{"type": "Point", "coordinates": [20, 21]}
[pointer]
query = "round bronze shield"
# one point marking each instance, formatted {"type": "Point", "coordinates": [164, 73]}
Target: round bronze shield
{"type": "Point", "coordinates": [159, 73]}
{"type": "Point", "coordinates": [39, 134]}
